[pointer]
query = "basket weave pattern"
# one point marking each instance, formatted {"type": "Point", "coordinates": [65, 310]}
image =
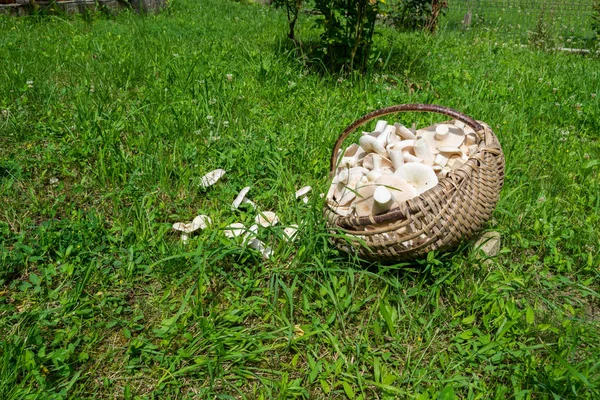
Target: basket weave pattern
{"type": "Point", "coordinates": [438, 219]}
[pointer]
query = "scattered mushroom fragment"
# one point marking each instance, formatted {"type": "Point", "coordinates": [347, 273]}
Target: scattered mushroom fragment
{"type": "Point", "coordinates": [200, 222]}
{"type": "Point", "coordinates": [266, 218]}
{"type": "Point", "coordinates": [301, 193]}
{"type": "Point", "coordinates": [234, 230]}
{"type": "Point", "coordinates": [212, 177]}
{"type": "Point", "coordinates": [241, 198]}
{"type": "Point", "coordinates": [290, 232]}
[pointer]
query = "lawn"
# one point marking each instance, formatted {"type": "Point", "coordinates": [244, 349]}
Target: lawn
{"type": "Point", "coordinates": [107, 126]}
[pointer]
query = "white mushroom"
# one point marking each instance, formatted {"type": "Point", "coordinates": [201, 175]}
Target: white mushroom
{"type": "Point", "coordinates": [382, 200]}
{"type": "Point", "coordinates": [441, 135]}
{"type": "Point", "coordinates": [455, 162]}
{"type": "Point", "coordinates": [352, 156]}
{"type": "Point", "coordinates": [266, 218]}
{"type": "Point", "coordinates": [341, 192]}
{"type": "Point", "coordinates": [422, 151]}
{"type": "Point", "coordinates": [257, 244]}
{"type": "Point", "coordinates": [380, 125]}
{"type": "Point", "coordinates": [471, 139]}
{"type": "Point", "coordinates": [400, 189]}
{"type": "Point", "coordinates": [448, 150]}
{"type": "Point", "coordinates": [403, 131]}
{"type": "Point", "coordinates": [409, 158]}
{"type": "Point", "coordinates": [440, 160]}
{"type": "Point", "coordinates": [290, 232]}
{"type": "Point", "coordinates": [234, 230]}
{"type": "Point", "coordinates": [472, 149]}
{"type": "Point", "coordinates": [371, 145]}
{"type": "Point", "coordinates": [395, 156]}
{"type": "Point", "coordinates": [421, 176]}
{"type": "Point", "coordinates": [385, 136]}
{"type": "Point", "coordinates": [212, 177]}
{"type": "Point", "coordinates": [241, 198]}
{"type": "Point", "coordinates": [200, 222]}
{"type": "Point", "coordinates": [301, 193]}
{"type": "Point", "coordinates": [363, 206]}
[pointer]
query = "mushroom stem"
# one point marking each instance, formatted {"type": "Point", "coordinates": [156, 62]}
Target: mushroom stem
{"type": "Point", "coordinates": [383, 200]}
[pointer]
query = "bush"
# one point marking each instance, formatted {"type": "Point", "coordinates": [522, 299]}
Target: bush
{"type": "Point", "coordinates": [348, 28]}
{"type": "Point", "coordinates": [419, 14]}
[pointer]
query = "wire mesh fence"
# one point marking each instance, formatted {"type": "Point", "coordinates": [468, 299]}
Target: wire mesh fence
{"type": "Point", "coordinates": [567, 22]}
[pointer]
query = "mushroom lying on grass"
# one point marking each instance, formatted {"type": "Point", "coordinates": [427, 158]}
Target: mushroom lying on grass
{"type": "Point", "coordinates": [200, 222]}
{"type": "Point", "coordinates": [301, 193]}
{"type": "Point", "coordinates": [212, 177]}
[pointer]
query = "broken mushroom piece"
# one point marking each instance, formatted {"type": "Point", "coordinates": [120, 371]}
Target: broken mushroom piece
{"type": "Point", "coordinates": [234, 230]}
{"type": "Point", "coordinates": [266, 218]}
{"type": "Point", "coordinates": [290, 232]}
{"type": "Point", "coordinates": [200, 222]}
{"type": "Point", "coordinates": [301, 193]}
{"type": "Point", "coordinates": [241, 199]}
{"type": "Point", "coordinates": [212, 177]}
{"type": "Point", "coordinates": [421, 176]}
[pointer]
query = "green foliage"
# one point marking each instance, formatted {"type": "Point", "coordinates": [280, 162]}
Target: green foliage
{"type": "Point", "coordinates": [106, 127]}
{"type": "Point", "coordinates": [348, 28]}
{"type": "Point", "coordinates": [418, 14]}
{"type": "Point", "coordinates": [596, 19]}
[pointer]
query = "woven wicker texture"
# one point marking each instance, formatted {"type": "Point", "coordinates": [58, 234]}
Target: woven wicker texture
{"type": "Point", "coordinates": [439, 219]}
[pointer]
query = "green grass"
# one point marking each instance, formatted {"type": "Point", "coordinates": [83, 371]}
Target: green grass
{"type": "Point", "coordinates": [102, 151]}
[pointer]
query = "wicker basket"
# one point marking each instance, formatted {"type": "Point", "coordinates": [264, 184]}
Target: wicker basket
{"type": "Point", "coordinates": [438, 219]}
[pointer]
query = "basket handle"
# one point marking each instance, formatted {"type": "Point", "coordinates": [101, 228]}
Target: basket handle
{"type": "Point", "coordinates": [477, 127]}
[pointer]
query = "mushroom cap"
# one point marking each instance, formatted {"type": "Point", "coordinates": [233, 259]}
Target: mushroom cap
{"type": "Point", "coordinates": [266, 218]}
{"type": "Point", "coordinates": [441, 135]}
{"type": "Point", "coordinates": [400, 189]}
{"type": "Point", "coordinates": [450, 150]}
{"type": "Point", "coordinates": [200, 222]}
{"type": "Point", "coordinates": [303, 191]}
{"type": "Point", "coordinates": [290, 232]}
{"type": "Point", "coordinates": [421, 176]}
{"type": "Point", "coordinates": [212, 177]}
{"type": "Point", "coordinates": [240, 198]}
{"type": "Point", "coordinates": [363, 206]}
{"type": "Point", "coordinates": [235, 229]}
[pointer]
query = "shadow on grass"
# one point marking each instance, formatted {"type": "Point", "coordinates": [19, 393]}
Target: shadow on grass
{"type": "Point", "coordinates": [404, 59]}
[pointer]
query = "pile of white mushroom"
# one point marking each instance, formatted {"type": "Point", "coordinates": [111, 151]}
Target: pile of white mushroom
{"type": "Point", "coordinates": [394, 163]}
{"type": "Point", "coordinates": [263, 219]}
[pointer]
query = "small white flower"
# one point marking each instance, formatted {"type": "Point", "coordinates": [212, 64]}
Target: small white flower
{"type": "Point", "coordinates": [175, 55]}
{"type": "Point", "coordinates": [212, 101]}
{"type": "Point", "coordinates": [29, 84]}
{"type": "Point", "coordinates": [225, 124]}
{"type": "Point", "coordinates": [229, 77]}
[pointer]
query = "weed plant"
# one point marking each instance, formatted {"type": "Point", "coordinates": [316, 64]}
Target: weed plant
{"type": "Point", "coordinates": [106, 127]}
